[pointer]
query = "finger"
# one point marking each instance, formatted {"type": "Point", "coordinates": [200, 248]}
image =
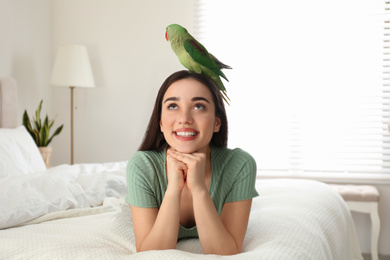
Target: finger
{"type": "Point", "coordinates": [177, 164]}
{"type": "Point", "coordinates": [190, 155]}
{"type": "Point", "coordinates": [184, 157]}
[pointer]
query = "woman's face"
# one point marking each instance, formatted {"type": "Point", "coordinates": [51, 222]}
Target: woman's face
{"type": "Point", "coordinates": [188, 116]}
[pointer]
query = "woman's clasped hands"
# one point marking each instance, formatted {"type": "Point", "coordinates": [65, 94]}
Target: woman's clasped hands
{"type": "Point", "coordinates": [186, 169]}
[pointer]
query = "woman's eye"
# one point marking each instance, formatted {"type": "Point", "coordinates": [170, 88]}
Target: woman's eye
{"type": "Point", "coordinates": [199, 106]}
{"type": "Point", "coordinates": [172, 106]}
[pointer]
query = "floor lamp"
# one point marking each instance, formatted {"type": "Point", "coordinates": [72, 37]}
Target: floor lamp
{"type": "Point", "coordinates": [72, 69]}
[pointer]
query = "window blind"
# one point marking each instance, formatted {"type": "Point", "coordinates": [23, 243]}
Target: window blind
{"type": "Point", "coordinates": [310, 84]}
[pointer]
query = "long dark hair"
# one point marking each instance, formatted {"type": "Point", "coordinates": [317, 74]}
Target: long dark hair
{"type": "Point", "coordinates": [154, 138]}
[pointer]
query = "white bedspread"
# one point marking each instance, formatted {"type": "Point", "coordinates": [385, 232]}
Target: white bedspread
{"type": "Point", "coordinates": [26, 197]}
{"type": "Point", "coordinates": [81, 214]}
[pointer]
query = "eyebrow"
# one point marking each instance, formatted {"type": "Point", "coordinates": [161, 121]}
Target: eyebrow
{"type": "Point", "coordinates": [199, 98]}
{"type": "Point", "coordinates": [193, 99]}
{"type": "Point", "coordinates": [171, 99]}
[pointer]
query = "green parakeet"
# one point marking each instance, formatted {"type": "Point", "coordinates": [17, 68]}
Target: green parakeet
{"type": "Point", "coordinates": [195, 57]}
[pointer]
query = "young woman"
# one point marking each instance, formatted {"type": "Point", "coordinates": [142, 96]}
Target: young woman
{"type": "Point", "coordinates": [183, 182]}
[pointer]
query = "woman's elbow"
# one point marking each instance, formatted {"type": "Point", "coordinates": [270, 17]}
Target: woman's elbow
{"type": "Point", "coordinates": [225, 251]}
{"type": "Point", "coordinates": [143, 248]}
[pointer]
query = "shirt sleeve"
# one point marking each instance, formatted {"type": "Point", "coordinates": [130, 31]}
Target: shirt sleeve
{"type": "Point", "coordinates": [140, 178]}
{"type": "Point", "coordinates": [244, 185]}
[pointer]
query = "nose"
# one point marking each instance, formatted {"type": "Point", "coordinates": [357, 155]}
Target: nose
{"type": "Point", "coordinates": [185, 117]}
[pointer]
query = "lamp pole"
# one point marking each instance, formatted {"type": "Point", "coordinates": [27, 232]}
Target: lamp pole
{"type": "Point", "coordinates": [71, 125]}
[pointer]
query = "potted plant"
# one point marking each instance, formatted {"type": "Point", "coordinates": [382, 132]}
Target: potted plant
{"type": "Point", "coordinates": [40, 132]}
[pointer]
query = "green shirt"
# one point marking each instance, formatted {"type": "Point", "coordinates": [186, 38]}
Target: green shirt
{"type": "Point", "coordinates": [233, 176]}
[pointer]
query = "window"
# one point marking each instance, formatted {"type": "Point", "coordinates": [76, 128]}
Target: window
{"type": "Point", "coordinates": [309, 88]}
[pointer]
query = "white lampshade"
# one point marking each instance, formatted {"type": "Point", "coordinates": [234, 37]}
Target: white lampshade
{"type": "Point", "coordinates": [72, 68]}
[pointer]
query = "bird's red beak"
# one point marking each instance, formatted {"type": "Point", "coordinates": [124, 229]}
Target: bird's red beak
{"type": "Point", "coordinates": [166, 36]}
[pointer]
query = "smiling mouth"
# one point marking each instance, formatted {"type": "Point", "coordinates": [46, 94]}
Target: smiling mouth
{"type": "Point", "coordinates": [186, 134]}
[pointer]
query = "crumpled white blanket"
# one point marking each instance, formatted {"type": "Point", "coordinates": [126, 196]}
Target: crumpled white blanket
{"type": "Point", "coordinates": [291, 219]}
{"type": "Point", "coordinates": [26, 197]}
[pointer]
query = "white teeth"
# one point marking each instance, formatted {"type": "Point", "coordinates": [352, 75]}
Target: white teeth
{"type": "Point", "coordinates": [186, 134]}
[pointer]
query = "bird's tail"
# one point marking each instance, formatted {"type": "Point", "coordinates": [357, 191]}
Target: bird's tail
{"type": "Point", "coordinates": [219, 63]}
{"type": "Point", "coordinates": [225, 97]}
{"type": "Point", "coordinates": [220, 85]}
{"type": "Point", "coordinates": [220, 66]}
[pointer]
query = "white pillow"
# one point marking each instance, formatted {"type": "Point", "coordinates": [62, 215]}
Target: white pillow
{"type": "Point", "coordinates": [18, 153]}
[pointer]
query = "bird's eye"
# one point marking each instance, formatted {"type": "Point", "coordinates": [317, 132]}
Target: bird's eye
{"type": "Point", "coordinates": [168, 28]}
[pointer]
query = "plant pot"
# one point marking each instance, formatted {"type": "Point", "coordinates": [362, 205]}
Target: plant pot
{"type": "Point", "coordinates": [46, 154]}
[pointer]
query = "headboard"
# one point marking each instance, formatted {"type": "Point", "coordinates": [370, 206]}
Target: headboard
{"type": "Point", "coordinates": [8, 102]}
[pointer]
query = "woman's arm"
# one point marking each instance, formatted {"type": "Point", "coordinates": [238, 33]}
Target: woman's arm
{"type": "Point", "coordinates": [157, 229]}
{"type": "Point", "coordinates": [221, 235]}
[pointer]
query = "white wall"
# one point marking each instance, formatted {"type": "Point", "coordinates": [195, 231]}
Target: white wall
{"type": "Point", "coordinates": [25, 50]}
{"type": "Point", "coordinates": [130, 59]}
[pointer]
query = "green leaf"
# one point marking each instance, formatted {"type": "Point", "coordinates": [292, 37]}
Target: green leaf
{"type": "Point", "coordinates": [37, 125]}
{"type": "Point", "coordinates": [27, 124]}
{"type": "Point", "coordinates": [44, 132]}
{"type": "Point", "coordinates": [44, 135]}
{"type": "Point", "coordinates": [46, 122]}
{"type": "Point", "coordinates": [37, 137]}
{"type": "Point", "coordinates": [58, 131]}
{"type": "Point", "coordinates": [38, 115]}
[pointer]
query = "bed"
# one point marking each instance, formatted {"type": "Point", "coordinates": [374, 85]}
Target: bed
{"type": "Point", "coordinates": [79, 212]}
